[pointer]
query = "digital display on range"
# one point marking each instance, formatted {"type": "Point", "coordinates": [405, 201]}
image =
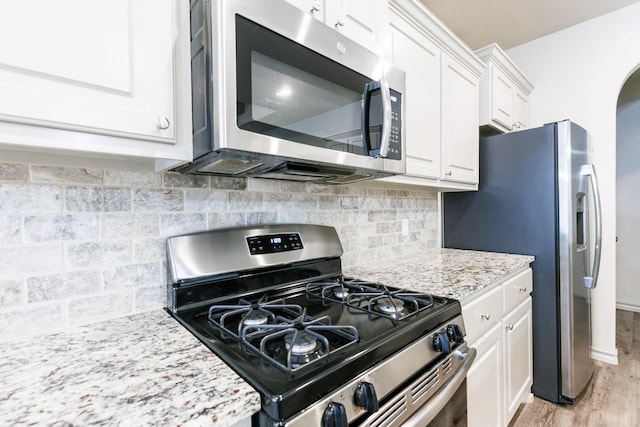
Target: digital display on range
{"type": "Point", "coordinates": [273, 243]}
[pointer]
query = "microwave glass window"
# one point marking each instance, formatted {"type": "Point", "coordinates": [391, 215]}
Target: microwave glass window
{"type": "Point", "coordinates": [288, 91]}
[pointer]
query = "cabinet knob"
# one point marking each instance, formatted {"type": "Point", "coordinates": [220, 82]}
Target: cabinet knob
{"type": "Point", "coordinates": [486, 316]}
{"type": "Point", "coordinates": [315, 7]}
{"type": "Point", "coordinates": [339, 22]}
{"type": "Point", "coordinates": [448, 173]}
{"type": "Point", "coordinates": [510, 327]}
{"type": "Point", "coordinates": [163, 122]}
{"type": "Point", "coordinates": [523, 289]}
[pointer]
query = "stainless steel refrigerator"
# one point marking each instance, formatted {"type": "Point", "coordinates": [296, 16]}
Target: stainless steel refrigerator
{"type": "Point", "coordinates": [538, 195]}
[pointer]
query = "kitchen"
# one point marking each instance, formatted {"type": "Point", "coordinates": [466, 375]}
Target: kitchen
{"type": "Point", "coordinates": [73, 219]}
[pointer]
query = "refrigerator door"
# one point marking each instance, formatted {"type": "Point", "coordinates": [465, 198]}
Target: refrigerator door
{"type": "Point", "coordinates": [573, 251]}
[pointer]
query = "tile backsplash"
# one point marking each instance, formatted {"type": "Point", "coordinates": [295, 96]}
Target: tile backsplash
{"type": "Point", "coordinates": [80, 245]}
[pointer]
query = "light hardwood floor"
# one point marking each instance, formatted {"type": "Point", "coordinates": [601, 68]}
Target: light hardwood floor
{"type": "Point", "coordinates": [612, 398]}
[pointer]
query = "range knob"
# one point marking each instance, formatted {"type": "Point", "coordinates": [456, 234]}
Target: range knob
{"type": "Point", "coordinates": [454, 332]}
{"type": "Point", "coordinates": [366, 397]}
{"type": "Point", "coordinates": [335, 416]}
{"type": "Point", "coordinates": [441, 343]}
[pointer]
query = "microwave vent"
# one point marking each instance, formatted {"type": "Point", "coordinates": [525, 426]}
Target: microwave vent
{"type": "Point", "coordinates": [230, 166]}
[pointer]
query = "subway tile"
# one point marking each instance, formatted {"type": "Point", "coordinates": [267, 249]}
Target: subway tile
{"type": "Point", "coordinates": [173, 224]}
{"type": "Point", "coordinates": [66, 175]}
{"type": "Point", "coordinates": [43, 228]}
{"type": "Point", "coordinates": [125, 224]}
{"type": "Point", "coordinates": [63, 285]}
{"type": "Point", "coordinates": [158, 200]}
{"type": "Point", "coordinates": [13, 172]}
{"type": "Point", "coordinates": [12, 293]}
{"type": "Point", "coordinates": [97, 253]}
{"type": "Point", "coordinates": [149, 249]}
{"type": "Point", "coordinates": [228, 183]}
{"type": "Point", "coordinates": [150, 298]}
{"type": "Point", "coordinates": [205, 201]}
{"type": "Point", "coordinates": [30, 259]}
{"type": "Point", "coordinates": [10, 229]}
{"type": "Point", "coordinates": [24, 198]}
{"type": "Point", "coordinates": [97, 199]}
{"type": "Point", "coordinates": [135, 275]}
{"type": "Point", "coordinates": [180, 180]}
{"type": "Point", "coordinates": [245, 201]}
{"type": "Point", "coordinates": [139, 179]}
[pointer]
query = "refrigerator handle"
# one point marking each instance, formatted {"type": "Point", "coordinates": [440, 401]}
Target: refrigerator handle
{"type": "Point", "coordinates": [590, 172]}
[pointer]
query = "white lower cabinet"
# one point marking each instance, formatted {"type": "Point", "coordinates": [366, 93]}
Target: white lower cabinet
{"type": "Point", "coordinates": [518, 360]}
{"type": "Point", "coordinates": [484, 381]}
{"type": "Point", "coordinates": [498, 326]}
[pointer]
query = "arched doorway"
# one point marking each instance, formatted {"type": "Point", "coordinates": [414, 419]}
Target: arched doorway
{"type": "Point", "coordinates": [627, 197]}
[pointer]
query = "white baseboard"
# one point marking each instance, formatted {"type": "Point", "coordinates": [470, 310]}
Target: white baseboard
{"type": "Point", "coordinates": [628, 307]}
{"type": "Point", "coordinates": [605, 356]}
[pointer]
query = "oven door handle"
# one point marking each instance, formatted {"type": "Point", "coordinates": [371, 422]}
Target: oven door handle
{"type": "Point", "coordinates": [434, 405]}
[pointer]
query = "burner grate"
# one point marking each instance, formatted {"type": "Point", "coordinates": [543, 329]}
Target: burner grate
{"type": "Point", "coordinates": [286, 330]}
{"type": "Point", "coordinates": [370, 297]}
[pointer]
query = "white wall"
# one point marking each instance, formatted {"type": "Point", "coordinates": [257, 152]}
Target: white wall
{"type": "Point", "coordinates": [628, 203]}
{"type": "Point", "coordinates": [578, 73]}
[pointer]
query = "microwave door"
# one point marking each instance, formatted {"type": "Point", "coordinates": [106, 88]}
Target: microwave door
{"type": "Point", "coordinates": [291, 93]}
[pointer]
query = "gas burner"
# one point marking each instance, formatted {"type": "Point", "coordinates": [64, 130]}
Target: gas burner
{"type": "Point", "coordinates": [303, 343]}
{"type": "Point", "coordinates": [256, 317]}
{"type": "Point", "coordinates": [341, 292]}
{"type": "Point", "coordinates": [393, 307]}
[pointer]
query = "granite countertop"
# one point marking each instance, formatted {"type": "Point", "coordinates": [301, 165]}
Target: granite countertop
{"type": "Point", "coordinates": [147, 369]}
{"type": "Point", "coordinates": [140, 370]}
{"type": "Point", "coordinates": [453, 273]}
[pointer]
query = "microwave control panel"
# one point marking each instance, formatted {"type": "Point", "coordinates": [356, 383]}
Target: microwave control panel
{"type": "Point", "coordinates": [395, 144]}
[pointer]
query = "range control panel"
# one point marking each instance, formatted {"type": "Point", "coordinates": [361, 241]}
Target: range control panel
{"type": "Point", "coordinates": [271, 243]}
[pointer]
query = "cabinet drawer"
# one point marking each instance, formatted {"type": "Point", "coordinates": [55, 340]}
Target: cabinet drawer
{"type": "Point", "coordinates": [482, 313]}
{"type": "Point", "coordinates": [517, 289]}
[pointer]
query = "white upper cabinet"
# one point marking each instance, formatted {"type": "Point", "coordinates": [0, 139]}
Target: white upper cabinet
{"type": "Point", "coordinates": [441, 99]}
{"type": "Point", "coordinates": [414, 53]}
{"type": "Point", "coordinates": [460, 132]}
{"type": "Point", "coordinates": [504, 92]}
{"type": "Point", "coordinates": [107, 69]}
{"type": "Point", "coordinates": [363, 21]}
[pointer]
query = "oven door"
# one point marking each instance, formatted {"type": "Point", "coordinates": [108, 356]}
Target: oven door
{"type": "Point", "coordinates": [427, 401]}
{"type": "Point", "coordinates": [297, 89]}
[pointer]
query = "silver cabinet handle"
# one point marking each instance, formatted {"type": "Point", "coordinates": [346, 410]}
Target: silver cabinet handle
{"type": "Point", "coordinates": [448, 173]}
{"type": "Point", "coordinates": [315, 7]}
{"type": "Point", "coordinates": [339, 22]}
{"type": "Point", "coordinates": [590, 172]}
{"type": "Point", "coordinates": [523, 289]}
{"type": "Point", "coordinates": [163, 122]}
{"type": "Point", "coordinates": [486, 316]}
{"type": "Point", "coordinates": [510, 327]}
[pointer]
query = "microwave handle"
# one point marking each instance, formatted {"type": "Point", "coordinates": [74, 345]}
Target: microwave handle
{"type": "Point", "coordinates": [386, 118]}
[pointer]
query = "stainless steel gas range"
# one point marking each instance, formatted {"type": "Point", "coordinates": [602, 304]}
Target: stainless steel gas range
{"type": "Point", "coordinates": [320, 348]}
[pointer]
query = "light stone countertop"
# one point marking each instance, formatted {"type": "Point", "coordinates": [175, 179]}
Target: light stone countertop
{"type": "Point", "coordinates": [141, 370]}
{"type": "Point", "coordinates": [147, 369]}
{"type": "Point", "coordinates": [453, 273]}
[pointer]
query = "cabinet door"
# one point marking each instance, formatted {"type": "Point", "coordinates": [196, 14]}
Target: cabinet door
{"type": "Point", "coordinates": [420, 59]}
{"type": "Point", "coordinates": [460, 122]}
{"type": "Point", "coordinates": [360, 20]}
{"type": "Point", "coordinates": [103, 66]}
{"type": "Point", "coordinates": [518, 358]}
{"type": "Point", "coordinates": [485, 396]}
{"type": "Point", "coordinates": [521, 108]}
{"type": "Point", "coordinates": [312, 6]}
{"type": "Point", "coordinates": [502, 93]}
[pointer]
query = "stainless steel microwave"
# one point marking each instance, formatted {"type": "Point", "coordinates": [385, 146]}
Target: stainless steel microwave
{"type": "Point", "coordinates": [278, 94]}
